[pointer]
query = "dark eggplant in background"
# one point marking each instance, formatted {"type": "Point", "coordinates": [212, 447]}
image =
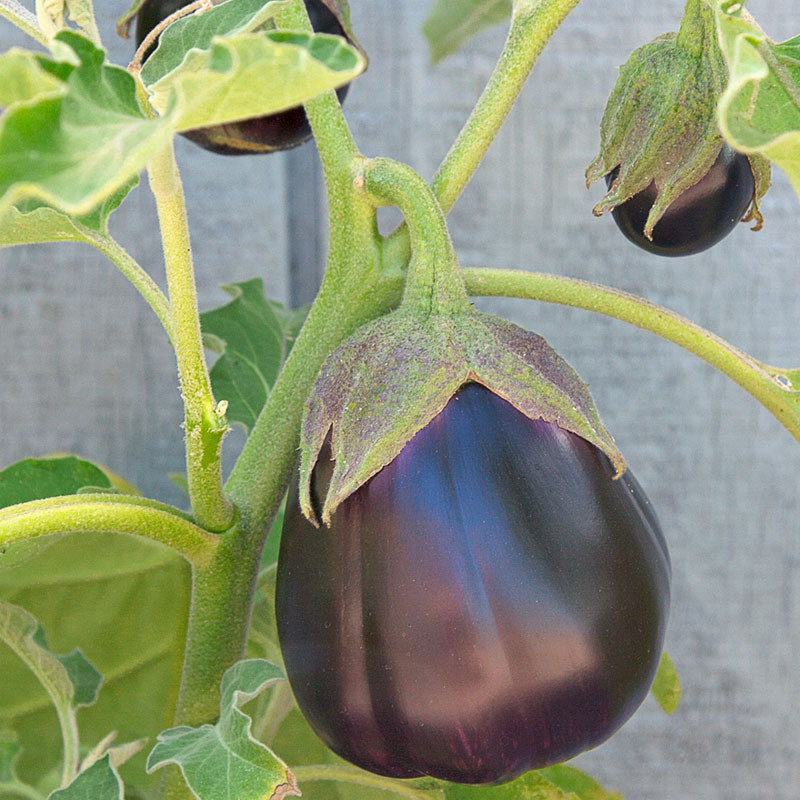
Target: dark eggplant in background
{"type": "Point", "coordinates": [265, 134]}
{"type": "Point", "coordinates": [490, 602]}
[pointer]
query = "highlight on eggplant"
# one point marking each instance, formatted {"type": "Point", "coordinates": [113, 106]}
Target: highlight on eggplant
{"type": "Point", "coordinates": [492, 601]}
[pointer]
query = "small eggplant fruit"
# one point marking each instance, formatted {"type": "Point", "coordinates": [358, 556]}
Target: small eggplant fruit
{"type": "Point", "coordinates": [280, 131]}
{"type": "Point", "coordinates": [491, 601]}
{"type": "Point", "coordinates": [699, 217]}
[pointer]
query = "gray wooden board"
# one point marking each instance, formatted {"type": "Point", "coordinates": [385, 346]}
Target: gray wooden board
{"type": "Point", "coordinates": [86, 368]}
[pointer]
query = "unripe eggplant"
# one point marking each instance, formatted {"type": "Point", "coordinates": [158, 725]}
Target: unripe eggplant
{"type": "Point", "coordinates": [490, 602]}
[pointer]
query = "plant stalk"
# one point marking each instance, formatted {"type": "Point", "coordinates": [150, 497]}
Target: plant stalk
{"type": "Point", "coordinates": [774, 388]}
{"type": "Point", "coordinates": [358, 777]}
{"type": "Point", "coordinates": [204, 421]}
{"type": "Point", "coordinates": [434, 282]}
{"type": "Point", "coordinates": [533, 24]}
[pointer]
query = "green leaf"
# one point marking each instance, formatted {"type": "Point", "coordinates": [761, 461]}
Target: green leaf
{"type": "Point", "coordinates": [531, 786]}
{"type": "Point", "coordinates": [100, 781]}
{"type": "Point", "coordinates": [224, 760]}
{"type": "Point", "coordinates": [9, 750]}
{"type": "Point", "coordinates": [577, 783]}
{"type": "Point", "coordinates": [23, 77]}
{"type": "Point", "coordinates": [38, 478]}
{"type": "Point", "coordinates": [253, 337]}
{"type": "Point", "coordinates": [451, 23]}
{"type": "Point", "coordinates": [124, 602]}
{"type": "Point", "coordinates": [35, 479]}
{"type": "Point", "coordinates": [74, 151]}
{"type": "Point", "coordinates": [199, 30]}
{"type": "Point", "coordinates": [759, 111]}
{"type": "Point", "coordinates": [252, 74]}
{"type": "Point", "coordinates": [69, 680]}
{"type": "Point", "coordinates": [666, 687]}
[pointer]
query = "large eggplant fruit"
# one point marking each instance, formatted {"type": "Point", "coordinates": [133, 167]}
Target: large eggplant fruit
{"type": "Point", "coordinates": [265, 134]}
{"type": "Point", "coordinates": [490, 602]}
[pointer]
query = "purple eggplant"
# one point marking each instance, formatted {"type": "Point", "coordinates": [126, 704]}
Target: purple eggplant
{"type": "Point", "coordinates": [490, 602]}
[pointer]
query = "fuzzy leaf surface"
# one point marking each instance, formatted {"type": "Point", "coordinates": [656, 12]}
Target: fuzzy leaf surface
{"type": "Point", "coordinates": [666, 687]}
{"type": "Point", "coordinates": [253, 337]}
{"type": "Point", "coordinates": [73, 151]}
{"type": "Point", "coordinates": [450, 24]}
{"type": "Point", "coordinates": [124, 603]}
{"type": "Point", "coordinates": [198, 31]}
{"type": "Point", "coordinates": [253, 74]}
{"type": "Point", "coordinates": [100, 781]}
{"type": "Point", "coordinates": [224, 760]}
{"type": "Point", "coordinates": [759, 111]}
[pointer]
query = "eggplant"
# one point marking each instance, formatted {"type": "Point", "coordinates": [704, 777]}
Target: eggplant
{"type": "Point", "coordinates": [491, 601]}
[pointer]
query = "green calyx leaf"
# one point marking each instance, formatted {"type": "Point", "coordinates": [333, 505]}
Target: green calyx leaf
{"type": "Point", "coordinates": [759, 111]}
{"type": "Point", "coordinates": [224, 760]}
{"type": "Point", "coordinates": [100, 781]}
{"type": "Point", "coordinates": [252, 336]}
{"type": "Point", "coordinates": [451, 23]}
{"type": "Point", "coordinates": [660, 123]}
{"type": "Point", "coordinates": [74, 145]}
{"type": "Point", "coordinates": [666, 687]}
{"type": "Point", "coordinates": [414, 365]}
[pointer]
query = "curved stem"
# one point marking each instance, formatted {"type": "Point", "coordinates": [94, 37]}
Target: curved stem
{"type": "Point", "coordinates": [205, 422]}
{"type": "Point", "coordinates": [358, 777]}
{"type": "Point", "coordinates": [20, 789]}
{"type": "Point", "coordinates": [125, 514]}
{"type": "Point", "coordinates": [147, 287]}
{"type": "Point", "coordinates": [774, 388]}
{"type": "Point", "coordinates": [532, 25]}
{"type": "Point", "coordinates": [26, 21]}
{"type": "Point", "coordinates": [433, 282]}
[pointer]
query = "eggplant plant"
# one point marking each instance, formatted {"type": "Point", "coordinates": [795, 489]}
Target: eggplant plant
{"type": "Point", "coordinates": [430, 572]}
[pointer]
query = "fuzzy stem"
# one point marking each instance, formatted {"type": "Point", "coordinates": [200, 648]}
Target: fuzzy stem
{"type": "Point", "coordinates": [532, 25]}
{"type": "Point", "coordinates": [434, 282]}
{"type": "Point", "coordinates": [112, 513]}
{"type": "Point", "coordinates": [772, 387]}
{"type": "Point", "coordinates": [205, 423]}
{"type": "Point", "coordinates": [26, 21]}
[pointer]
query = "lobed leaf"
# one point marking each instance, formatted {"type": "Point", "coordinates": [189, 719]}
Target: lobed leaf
{"type": "Point", "coordinates": [224, 760]}
{"type": "Point", "coordinates": [100, 781]}
{"type": "Point", "coordinates": [253, 74]}
{"type": "Point", "coordinates": [451, 23]}
{"type": "Point", "coordinates": [530, 786]}
{"type": "Point", "coordinates": [197, 31]}
{"type": "Point", "coordinates": [124, 601]}
{"type": "Point", "coordinates": [759, 111]}
{"type": "Point", "coordinates": [666, 687]}
{"type": "Point", "coordinates": [253, 337]}
{"type": "Point", "coordinates": [70, 680]}
{"type": "Point", "coordinates": [73, 151]}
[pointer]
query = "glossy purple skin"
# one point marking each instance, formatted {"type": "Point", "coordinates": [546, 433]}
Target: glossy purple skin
{"type": "Point", "coordinates": [266, 134]}
{"type": "Point", "coordinates": [490, 602]}
{"type": "Point", "coordinates": [700, 217]}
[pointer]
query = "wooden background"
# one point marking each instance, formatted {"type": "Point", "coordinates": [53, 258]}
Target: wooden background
{"type": "Point", "coordinates": [85, 366]}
